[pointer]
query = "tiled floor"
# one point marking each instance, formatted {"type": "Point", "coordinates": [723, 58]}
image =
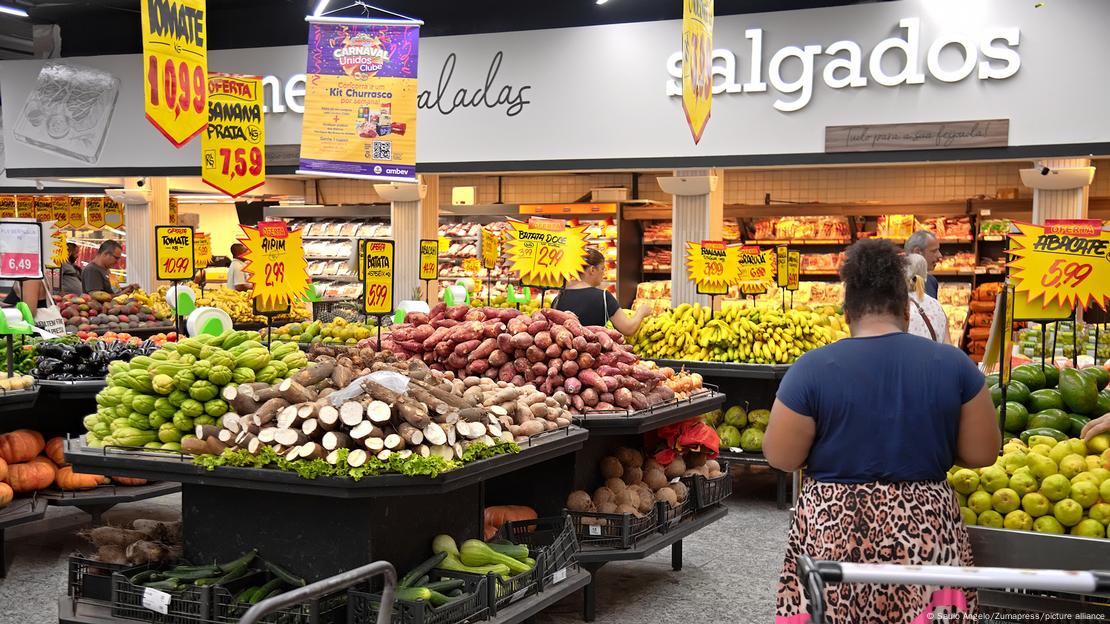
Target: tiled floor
{"type": "Point", "coordinates": [729, 575]}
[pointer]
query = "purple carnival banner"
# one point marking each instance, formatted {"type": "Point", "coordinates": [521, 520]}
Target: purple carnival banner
{"type": "Point", "coordinates": [360, 99]}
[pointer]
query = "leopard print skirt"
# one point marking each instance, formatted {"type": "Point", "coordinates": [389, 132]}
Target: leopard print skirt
{"type": "Point", "coordinates": [906, 523]}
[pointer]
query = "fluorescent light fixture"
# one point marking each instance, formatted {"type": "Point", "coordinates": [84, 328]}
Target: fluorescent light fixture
{"type": "Point", "coordinates": [602, 1]}
{"type": "Point", "coordinates": [320, 8]}
{"type": "Point", "coordinates": [10, 10]}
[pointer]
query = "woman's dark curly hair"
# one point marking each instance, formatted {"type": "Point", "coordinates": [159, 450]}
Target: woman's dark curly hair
{"type": "Point", "coordinates": [874, 279]}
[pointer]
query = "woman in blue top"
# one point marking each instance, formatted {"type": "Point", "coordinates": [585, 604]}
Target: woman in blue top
{"type": "Point", "coordinates": [877, 420]}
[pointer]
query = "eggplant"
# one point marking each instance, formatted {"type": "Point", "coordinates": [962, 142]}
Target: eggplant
{"type": "Point", "coordinates": [83, 350]}
{"type": "Point", "coordinates": [47, 366]}
{"type": "Point", "coordinates": [50, 350]}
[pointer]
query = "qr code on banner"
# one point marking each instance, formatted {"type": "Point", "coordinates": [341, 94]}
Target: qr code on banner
{"type": "Point", "coordinates": [383, 150]}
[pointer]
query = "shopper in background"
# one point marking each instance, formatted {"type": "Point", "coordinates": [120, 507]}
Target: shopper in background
{"type": "Point", "coordinates": [926, 244]}
{"type": "Point", "coordinates": [927, 317]}
{"type": "Point", "coordinates": [877, 420]}
{"type": "Point", "coordinates": [96, 274]}
{"type": "Point", "coordinates": [71, 272]}
{"type": "Point", "coordinates": [236, 277]}
{"type": "Point", "coordinates": [594, 305]}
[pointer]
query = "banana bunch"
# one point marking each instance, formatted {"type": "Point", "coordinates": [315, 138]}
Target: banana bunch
{"type": "Point", "coordinates": [156, 301]}
{"type": "Point", "coordinates": [761, 334]}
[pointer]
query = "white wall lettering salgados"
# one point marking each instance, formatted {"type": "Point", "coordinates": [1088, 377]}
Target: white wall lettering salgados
{"type": "Point", "coordinates": [993, 53]}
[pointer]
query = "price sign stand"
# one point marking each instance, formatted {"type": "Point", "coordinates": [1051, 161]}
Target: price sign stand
{"type": "Point", "coordinates": [429, 265]}
{"type": "Point", "coordinates": [24, 327]}
{"type": "Point", "coordinates": [376, 270]}
{"type": "Point", "coordinates": [269, 314]}
{"type": "Point", "coordinates": [175, 261]}
{"type": "Point", "coordinates": [524, 296]}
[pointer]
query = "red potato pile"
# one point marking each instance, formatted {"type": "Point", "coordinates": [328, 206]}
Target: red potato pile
{"type": "Point", "coordinates": [550, 350]}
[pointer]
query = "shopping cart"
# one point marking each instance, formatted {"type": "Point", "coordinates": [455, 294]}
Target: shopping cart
{"type": "Point", "coordinates": [327, 586]}
{"type": "Point", "coordinates": [814, 574]}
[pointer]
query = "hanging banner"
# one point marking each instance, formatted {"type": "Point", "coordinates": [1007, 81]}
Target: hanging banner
{"type": "Point", "coordinates": [1064, 262]}
{"type": "Point", "coordinates": [175, 67]}
{"type": "Point", "coordinates": [429, 259]}
{"type": "Point", "coordinates": [59, 211]}
{"type": "Point", "coordinates": [793, 269]}
{"type": "Point", "coordinates": [491, 248]}
{"type": "Point", "coordinates": [94, 212]}
{"type": "Point", "coordinates": [713, 266]}
{"type": "Point", "coordinates": [113, 214]}
{"type": "Point", "coordinates": [276, 267]}
{"type": "Point", "coordinates": [7, 207]}
{"type": "Point", "coordinates": [697, 64]}
{"type": "Point", "coordinates": [25, 206]}
{"type": "Point", "coordinates": [44, 209]}
{"type": "Point", "coordinates": [173, 252]}
{"type": "Point", "coordinates": [202, 250]}
{"type": "Point", "coordinates": [76, 212]}
{"type": "Point", "coordinates": [20, 250]}
{"type": "Point", "coordinates": [233, 156]}
{"type": "Point", "coordinates": [360, 99]}
{"type": "Point", "coordinates": [377, 277]}
{"type": "Point", "coordinates": [756, 269]}
{"type": "Point", "coordinates": [546, 252]}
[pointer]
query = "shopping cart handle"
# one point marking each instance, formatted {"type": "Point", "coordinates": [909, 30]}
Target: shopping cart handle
{"type": "Point", "coordinates": [327, 586]}
{"type": "Point", "coordinates": [829, 571]}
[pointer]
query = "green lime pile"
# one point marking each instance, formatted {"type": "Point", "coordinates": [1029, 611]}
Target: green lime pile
{"type": "Point", "coordinates": [1047, 486]}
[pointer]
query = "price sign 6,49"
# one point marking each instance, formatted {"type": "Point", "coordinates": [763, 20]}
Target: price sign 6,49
{"type": "Point", "coordinates": [173, 252]}
{"type": "Point", "coordinates": [175, 55]}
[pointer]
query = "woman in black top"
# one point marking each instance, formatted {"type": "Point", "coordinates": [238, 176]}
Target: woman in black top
{"type": "Point", "coordinates": [594, 305]}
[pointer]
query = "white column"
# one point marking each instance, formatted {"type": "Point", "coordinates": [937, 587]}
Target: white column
{"type": "Point", "coordinates": [694, 218]}
{"type": "Point", "coordinates": [1069, 204]}
{"type": "Point", "coordinates": [140, 219]}
{"type": "Point", "coordinates": [410, 221]}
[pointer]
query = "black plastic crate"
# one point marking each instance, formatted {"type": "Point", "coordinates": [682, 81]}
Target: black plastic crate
{"type": "Point", "coordinates": [186, 607]}
{"type": "Point", "coordinates": [669, 517]}
{"type": "Point", "coordinates": [552, 536]}
{"type": "Point", "coordinates": [362, 607]}
{"type": "Point", "coordinates": [327, 610]}
{"type": "Point", "coordinates": [328, 310]}
{"type": "Point", "coordinates": [504, 592]}
{"type": "Point", "coordinates": [611, 530]}
{"type": "Point", "coordinates": [90, 579]}
{"type": "Point", "coordinates": [708, 492]}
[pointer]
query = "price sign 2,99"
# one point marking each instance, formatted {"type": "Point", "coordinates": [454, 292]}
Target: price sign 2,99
{"type": "Point", "coordinates": [173, 252]}
{"type": "Point", "coordinates": [377, 276]}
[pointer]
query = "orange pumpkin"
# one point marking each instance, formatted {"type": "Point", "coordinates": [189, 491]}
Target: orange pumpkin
{"type": "Point", "coordinates": [55, 450]}
{"type": "Point", "coordinates": [30, 476]}
{"type": "Point", "coordinates": [3, 471]}
{"type": "Point", "coordinates": [6, 495]}
{"type": "Point", "coordinates": [498, 515]}
{"type": "Point", "coordinates": [67, 479]}
{"type": "Point", "coordinates": [130, 481]}
{"type": "Point", "coordinates": [20, 445]}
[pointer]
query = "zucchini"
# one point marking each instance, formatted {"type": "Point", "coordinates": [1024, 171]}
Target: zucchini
{"type": "Point", "coordinates": [265, 590]}
{"type": "Point", "coordinates": [238, 563]}
{"type": "Point", "coordinates": [477, 553]}
{"type": "Point", "coordinates": [445, 586]}
{"type": "Point", "coordinates": [413, 594]}
{"type": "Point", "coordinates": [192, 575]}
{"type": "Point", "coordinates": [168, 585]}
{"type": "Point", "coordinates": [516, 551]}
{"type": "Point", "coordinates": [422, 569]}
{"type": "Point", "coordinates": [145, 577]}
{"type": "Point", "coordinates": [423, 581]}
{"type": "Point", "coordinates": [284, 574]}
{"type": "Point", "coordinates": [245, 595]}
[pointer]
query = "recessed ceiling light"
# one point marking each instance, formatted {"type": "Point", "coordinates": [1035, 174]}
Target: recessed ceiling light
{"type": "Point", "coordinates": [13, 11]}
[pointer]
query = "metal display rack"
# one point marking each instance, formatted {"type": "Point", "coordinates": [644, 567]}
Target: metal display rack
{"type": "Point", "coordinates": [728, 370]}
{"type": "Point", "coordinates": [18, 400]}
{"type": "Point", "coordinates": [100, 499]}
{"type": "Point", "coordinates": [67, 390]}
{"type": "Point", "coordinates": [622, 422]}
{"type": "Point", "coordinates": [20, 511]}
{"type": "Point", "coordinates": [782, 479]}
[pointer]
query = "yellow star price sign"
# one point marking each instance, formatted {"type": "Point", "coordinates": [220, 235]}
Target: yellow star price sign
{"type": "Point", "coordinates": [713, 266]}
{"type": "Point", "coordinates": [429, 259]}
{"type": "Point", "coordinates": [756, 269]}
{"type": "Point", "coordinates": [233, 158]}
{"type": "Point", "coordinates": [276, 267]}
{"type": "Point", "coordinates": [1063, 263]}
{"type": "Point", "coordinates": [59, 251]}
{"type": "Point", "coordinates": [173, 252]}
{"type": "Point", "coordinates": [202, 250]}
{"type": "Point", "coordinates": [94, 212]}
{"type": "Point", "coordinates": [377, 277]}
{"type": "Point", "coordinates": [547, 252]}
{"type": "Point", "coordinates": [491, 248]}
{"type": "Point", "coordinates": [7, 207]}
{"type": "Point", "coordinates": [175, 67]}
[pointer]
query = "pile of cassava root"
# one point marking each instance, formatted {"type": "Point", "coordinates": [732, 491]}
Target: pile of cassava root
{"type": "Point", "coordinates": [550, 350]}
{"type": "Point", "coordinates": [439, 413]}
{"type": "Point", "coordinates": [145, 541]}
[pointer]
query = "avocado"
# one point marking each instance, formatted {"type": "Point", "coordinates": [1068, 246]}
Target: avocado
{"type": "Point", "coordinates": [1015, 416]}
{"type": "Point", "coordinates": [1051, 375]}
{"type": "Point", "coordinates": [1052, 418]}
{"type": "Point", "coordinates": [1046, 398]}
{"type": "Point", "coordinates": [1100, 375]}
{"type": "Point", "coordinates": [1077, 424]}
{"type": "Point", "coordinates": [1016, 391]}
{"type": "Point", "coordinates": [1078, 391]}
{"type": "Point", "coordinates": [1059, 436]}
{"type": "Point", "coordinates": [1030, 375]}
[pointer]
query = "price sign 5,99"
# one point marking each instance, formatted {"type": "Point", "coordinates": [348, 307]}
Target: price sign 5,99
{"type": "Point", "coordinates": [377, 276]}
{"type": "Point", "coordinates": [1061, 264]}
{"type": "Point", "coordinates": [173, 252]}
{"type": "Point", "coordinates": [175, 67]}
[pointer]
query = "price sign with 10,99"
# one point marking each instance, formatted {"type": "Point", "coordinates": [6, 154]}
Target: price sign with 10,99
{"type": "Point", "coordinates": [429, 259]}
{"type": "Point", "coordinates": [793, 269]}
{"type": "Point", "coordinates": [20, 250]}
{"type": "Point", "coordinates": [175, 67]}
{"type": "Point", "coordinates": [173, 252]}
{"type": "Point", "coordinates": [1063, 263]}
{"type": "Point", "coordinates": [377, 277]}
{"type": "Point", "coordinates": [276, 267]}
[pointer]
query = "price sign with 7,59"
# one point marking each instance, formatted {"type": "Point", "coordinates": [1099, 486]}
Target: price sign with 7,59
{"type": "Point", "coordinates": [276, 268]}
{"type": "Point", "coordinates": [377, 277]}
{"type": "Point", "coordinates": [173, 252]}
{"type": "Point", "coordinates": [233, 159]}
{"type": "Point", "coordinates": [175, 67]}
{"type": "Point", "coordinates": [1061, 263]}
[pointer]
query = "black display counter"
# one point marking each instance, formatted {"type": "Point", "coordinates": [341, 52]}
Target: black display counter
{"type": "Point", "coordinates": [85, 389]}
{"type": "Point", "coordinates": [20, 511]}
{"type": "Point", "coordinates": [12, 401]}
{"type": "Point", "coordinates": [100, 499]}
{"type": "Point", "coordinates": [731, 370]}
{"type": "Point", "coordinates": [621, 422]}
{"type": "Point", "coordinates": [782, 479]}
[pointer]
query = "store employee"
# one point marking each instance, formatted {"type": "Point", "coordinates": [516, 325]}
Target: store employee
{"type": "Point", "coordinates": [594, 305]}
{"type": "Point", "coordinates": [236, 277]}
{"type": "Point", "coordinates": [95, 275]}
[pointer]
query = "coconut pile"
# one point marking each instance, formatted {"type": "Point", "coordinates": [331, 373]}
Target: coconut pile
{"type": "Point", "coordinates": [633, 484]}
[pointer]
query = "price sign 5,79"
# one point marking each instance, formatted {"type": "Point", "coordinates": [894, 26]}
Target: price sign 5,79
{"type": "Point", "coordinates": [175, 57]}
{"type": "Point", "coordinates": [173, 252]}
